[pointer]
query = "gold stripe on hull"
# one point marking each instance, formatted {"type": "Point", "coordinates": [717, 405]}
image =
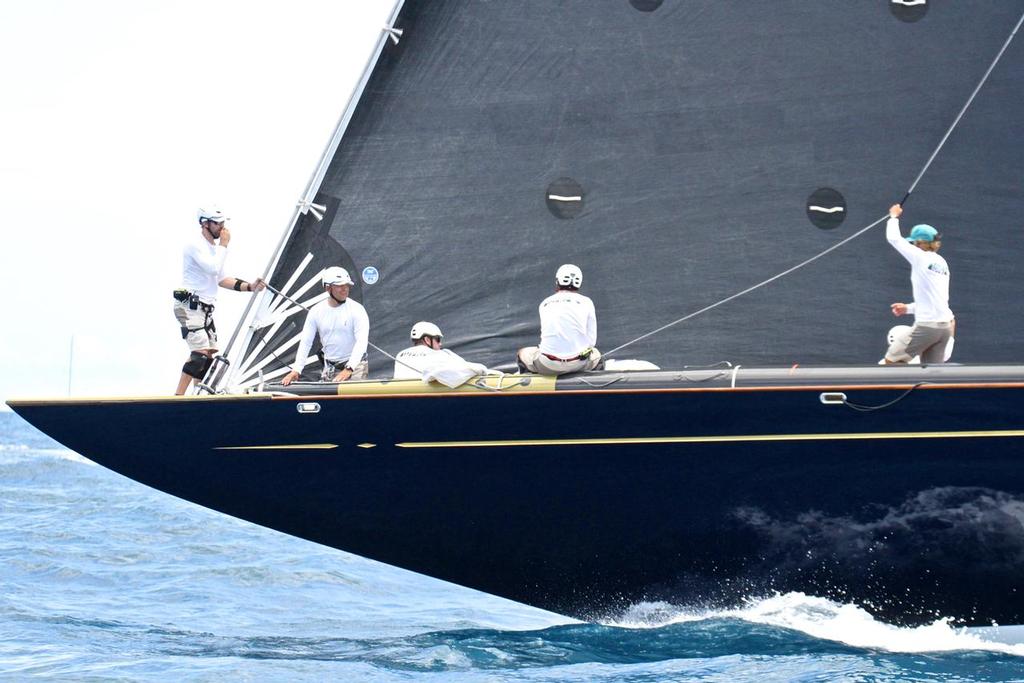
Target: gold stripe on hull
{"type": "Point", "coordinates": [491, 383]}
{"type": "Point", "coordinates": [714, 439]}
{"type": "Point", "coordinates": [281, 447]}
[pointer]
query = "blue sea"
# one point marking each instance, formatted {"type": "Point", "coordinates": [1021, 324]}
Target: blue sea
{"type": "Point", "coordinates": [104, 579]}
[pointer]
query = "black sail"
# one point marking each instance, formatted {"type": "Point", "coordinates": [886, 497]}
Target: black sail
{"type": "Point", "coordinates": [675, 151]}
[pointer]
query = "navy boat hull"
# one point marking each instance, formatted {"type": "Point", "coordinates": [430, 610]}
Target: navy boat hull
{"type": "Point", "coordinates": [584, 501]}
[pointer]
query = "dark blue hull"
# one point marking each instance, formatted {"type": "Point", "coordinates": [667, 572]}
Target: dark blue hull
{"type": "Point", "coordinates": [604, 498]}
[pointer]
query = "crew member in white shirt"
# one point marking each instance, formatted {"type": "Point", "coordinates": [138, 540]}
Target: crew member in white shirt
{"type": "Point", "coordinates": [344, 330]}
{"type": "Point", "coordinates": [203, 270]}
{"type": "Point", "coordinates": [929, 277]}
{"type": "Point", "coordinates": [568, 329]}
{"type": "Point", "coordinates": [426, 357]}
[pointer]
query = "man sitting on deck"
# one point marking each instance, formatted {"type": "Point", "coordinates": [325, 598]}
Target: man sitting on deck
{"type": "Point", "coordinates": [426, 360]}
{"type": "Point", "coordinates": [568, 329]}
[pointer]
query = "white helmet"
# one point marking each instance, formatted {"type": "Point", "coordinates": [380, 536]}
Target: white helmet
{"type": "Point", "coordinates": [900, 333]}
{"type": "Point", "coordinates": [336, 275]}
{"type": "Point", "coordinates": [211, 213]}
{"type": "Point", "coordinates": [569, 276]}
{"type": "Point", "coordinates": [424, 329]}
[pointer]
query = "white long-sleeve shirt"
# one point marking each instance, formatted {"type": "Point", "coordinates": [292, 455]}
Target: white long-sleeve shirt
{"type": "Point", "coordinates": [929, 277]}
{"type": "Point", "coordinates": [344, 332]}
{"type": "Point", "coordinates": [568, 324]}
{"type": "Point", "coordinates": [203, 268]}
{"type": "Point", "coordinates": [412, 362]}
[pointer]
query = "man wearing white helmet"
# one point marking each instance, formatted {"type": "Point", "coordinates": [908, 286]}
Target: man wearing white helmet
{"type": "Point", "coordinates": [425, 359]}
{"type": "Point", "coordinates": [929, 278]}
{"type": "Point", "coordinates": [344, 330]}
{"type": "Point", "coordinates": [568, 329]}
{"type": "Point", "coordinates": [202, 272]}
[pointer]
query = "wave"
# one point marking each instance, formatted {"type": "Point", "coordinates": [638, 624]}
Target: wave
{"type": "Point", "coordinates": [828, 620]}
{"type": "Point", "coordinates": [808, 633]}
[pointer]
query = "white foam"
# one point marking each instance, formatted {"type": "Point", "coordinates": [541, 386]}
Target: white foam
{"type": "Point", "coordinates": [828, 620]}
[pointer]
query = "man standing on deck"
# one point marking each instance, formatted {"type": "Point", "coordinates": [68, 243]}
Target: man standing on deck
{"type": "Point", "coordinates": [344, 330]}
{"type": "Point", "coordinates": [203, 265]}
{"type": "Point", "coordinates": [929, 277]}
{"type": "Point", "coordinates": [568, 329]}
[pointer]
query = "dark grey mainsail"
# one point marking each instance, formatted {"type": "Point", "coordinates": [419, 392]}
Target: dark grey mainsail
{"type": "Point", "coordinates": [678, 152]}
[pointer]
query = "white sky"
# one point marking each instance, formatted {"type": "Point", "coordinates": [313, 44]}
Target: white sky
{"type": "Point", "coordinates": [118, 118]}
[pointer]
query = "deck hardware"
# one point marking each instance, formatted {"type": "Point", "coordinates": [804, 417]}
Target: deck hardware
{"type": "Point", "coordinates": [833, 398]}
{"type": "Point", "coordinates": [308, 408]}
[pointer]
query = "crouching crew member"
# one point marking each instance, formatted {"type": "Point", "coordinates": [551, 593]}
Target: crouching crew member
{"type": "Point", "coordinates": [929, 279]}
{"type": "Point", "coordinates": [344, 330]}
{"type": "Point", "coordinates": [203, 265]}
{"type": "Point", "coordinates": [568, 330]}
{"type": "Point", "coordinates": [426, 355]}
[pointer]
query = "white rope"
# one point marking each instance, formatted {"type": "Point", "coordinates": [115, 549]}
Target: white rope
{"type": "Point", "coordinates": [748, 289]}
{"type": "Point", "coordinates": [856, 234]}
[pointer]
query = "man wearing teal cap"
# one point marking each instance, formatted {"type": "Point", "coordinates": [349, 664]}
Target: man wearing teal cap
{"type": "Point", "coordinates": [929, 278]}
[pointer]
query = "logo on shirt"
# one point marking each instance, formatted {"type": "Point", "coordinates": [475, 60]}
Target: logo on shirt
{"type": "Point", "coordinates": [370, 275]}
{"type": "Point", "coordinates": [938, 268]}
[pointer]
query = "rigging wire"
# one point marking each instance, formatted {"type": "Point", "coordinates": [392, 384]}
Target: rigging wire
{"type": "Point", "coordinates": [306, 308]}
{"type": "Point", "coordinates": [964, 109]}
{"type": "Point", "coordinates": [747, 290]}
{"type": "Point", "coordinates": [479, 385]}
{"type": "Point", "coordinates": [913, 186]}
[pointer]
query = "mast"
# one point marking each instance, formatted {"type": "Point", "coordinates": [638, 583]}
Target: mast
{"type": "Point", "coordinates": [305, 204]}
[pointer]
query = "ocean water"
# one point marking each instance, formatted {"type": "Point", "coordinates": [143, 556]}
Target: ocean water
{"type": "Point", "coordinates": [104, 579]}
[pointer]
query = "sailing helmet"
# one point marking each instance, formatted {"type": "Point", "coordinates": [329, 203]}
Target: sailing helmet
{"type": "Point", "coordinates": [336, 275]}
{"type": "Point", "coordinates": [211, 213]}
{"type": "Point", "coordinates": [900, 333]}
{"type": "Point", "coordinates": [424, 329]}
{"type": "Point", "coordinates": [569, 275]}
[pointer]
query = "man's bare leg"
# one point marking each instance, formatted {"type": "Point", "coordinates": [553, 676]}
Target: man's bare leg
{"type": "Point", "coordinates": [183, 384]}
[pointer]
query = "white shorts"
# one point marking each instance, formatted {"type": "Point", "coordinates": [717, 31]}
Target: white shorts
{"type": "Point", "coordinates": [197, 328]}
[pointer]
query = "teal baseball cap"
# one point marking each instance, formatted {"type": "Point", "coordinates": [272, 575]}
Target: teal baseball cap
{"type": "Point", "coordinates": [923, 233]}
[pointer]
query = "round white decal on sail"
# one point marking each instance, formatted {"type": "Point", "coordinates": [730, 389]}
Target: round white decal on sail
{"type": "Point", "coordinates": [370, 275]}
